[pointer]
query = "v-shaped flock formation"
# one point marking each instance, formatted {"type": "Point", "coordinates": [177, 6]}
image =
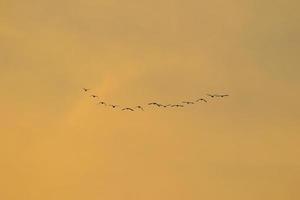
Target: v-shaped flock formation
{"type": "Point", "coordinates": [153, 104]}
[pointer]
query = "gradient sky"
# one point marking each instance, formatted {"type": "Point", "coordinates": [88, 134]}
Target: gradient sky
{"type": "Point", "coordinates": [56, 144]}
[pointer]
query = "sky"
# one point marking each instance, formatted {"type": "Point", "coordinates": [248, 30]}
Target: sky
{"type": "Point", "coordinates": [57, 144]}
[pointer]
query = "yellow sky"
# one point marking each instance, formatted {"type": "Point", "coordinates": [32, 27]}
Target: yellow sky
{"type": "Point", "coordinates": [56, 144]}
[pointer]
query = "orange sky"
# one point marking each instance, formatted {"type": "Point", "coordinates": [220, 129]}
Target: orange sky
{"type": "Point", "coordinates": [56, 144]}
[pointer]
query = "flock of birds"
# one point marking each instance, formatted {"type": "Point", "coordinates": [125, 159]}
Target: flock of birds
{"type": "Point", "coordinates": [155, 104]}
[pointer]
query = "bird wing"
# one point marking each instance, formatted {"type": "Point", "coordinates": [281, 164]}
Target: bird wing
{"type": "Point", "coordinates": [128, 109]}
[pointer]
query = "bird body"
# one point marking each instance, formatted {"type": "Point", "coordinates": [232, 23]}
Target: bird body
{"type": "Point", "coordinates": [102, 103]}
{"type": "Point", "coordinates": [217, 95]}
{"type": "Point", "coordinates": [223, 95]}
{"type": "Point", "coordinates": [211, 95]}
{"type": "Point", "coordinates": [113, 106]}
{"type": "Point", "coordinates": [188, 102]}
{"type": "Point", "coordinates": [165, 106]}
{"type": "Point", "coordinates": [140, 107]}
{"type": "Point", "coordinates": [94, 96]}
{"type": "Point", "coordinates": [85, 89]}
{"type": "Point", "coordinates": [177, 105]}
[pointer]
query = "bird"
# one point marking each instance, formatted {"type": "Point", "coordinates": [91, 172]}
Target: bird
{"type": "Point", "coordinates": [85, 89]}
{"type": "Point", "coordinates": [165, 106]}
{"type": "Point", "coordinates": [113, 106]}
{"type": "Point", "coordinates": [188, 102]}
{"type": "Point", "coordinates": [102, 103]}
{"type": "Point", "coordinates": [223, 95]}
{"type": "Point", "coordinates": [94, 96]}
{"type": "Point", "coordinates": [155, 104]}
{"type": "Point", "coordinates": [177, 105]}
{"type": "Point", "coordinates": [129, 109]}
{"type": "Point", "coordinates": [211, 95]}
{"type": "Point", "coordinates": [218, 95]}
{"type": "Point", "coordinates": [204, 100]}
{"type": "Point", "coordinates": [140, 107]}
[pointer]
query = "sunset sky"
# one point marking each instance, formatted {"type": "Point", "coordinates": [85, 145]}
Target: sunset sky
{"type": "Point", "coordinates": [57, 144]}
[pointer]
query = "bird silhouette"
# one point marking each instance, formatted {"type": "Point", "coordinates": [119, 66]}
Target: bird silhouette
{"type": "Point", "coordinates": [188, 102]}
{"type": "Point", "coordinates": [211, 95]}
{"type": "Point", "coordinates": [204, 100]}
{"type": "Point", "coordinates": [129, 109]}
{"type": "Point", "coordinates": [140, 107]}
{"type": "Point", "coordinates": [102, 103]}
{"type": "Point", "coordinates": [94, 96]}
{"type": "Point", "coordinates": [177, 105]}
{"type": "Point", "coordinates": [86, 89]}
{"type": "Point", "coordinates": [165, 106]}
{"type": "Point", "coordinates": [223, 95]}
{"type": "Point", "coordinates": [155, 104]}
{"type": "Point", "coordinates": [113, 106]}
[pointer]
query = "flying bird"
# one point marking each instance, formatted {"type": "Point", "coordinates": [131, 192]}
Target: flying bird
{"type": "Point", "coordinates": [113, 106]}
{"type": "Point", "coordinates": [140, 107]}
{"type": "Point", "coordinates": [94, 96]}
{"type": "Point", "coordinates": [129, 109]}
{"type": "Point", "coordinates": [177, 105]}
{"type": "Point", "coordinates": [102, 103]}
{"type": "Point", "coordinates": [155, 104]}
{"type": "Point", "coordinates": [211, 95]}
{"type": "Point", "coordinates": [223, 95]}
{"type": "Point", "coordinates": [165, 106]}
{"type": "Point", "coordinates": [86, 89]}
{"type": "Point", "coordinates": [188, 102]}
{"type": "Point", "coordinates": [217, 95]}
{"type": "Point", "coordinates": [204, 100]}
